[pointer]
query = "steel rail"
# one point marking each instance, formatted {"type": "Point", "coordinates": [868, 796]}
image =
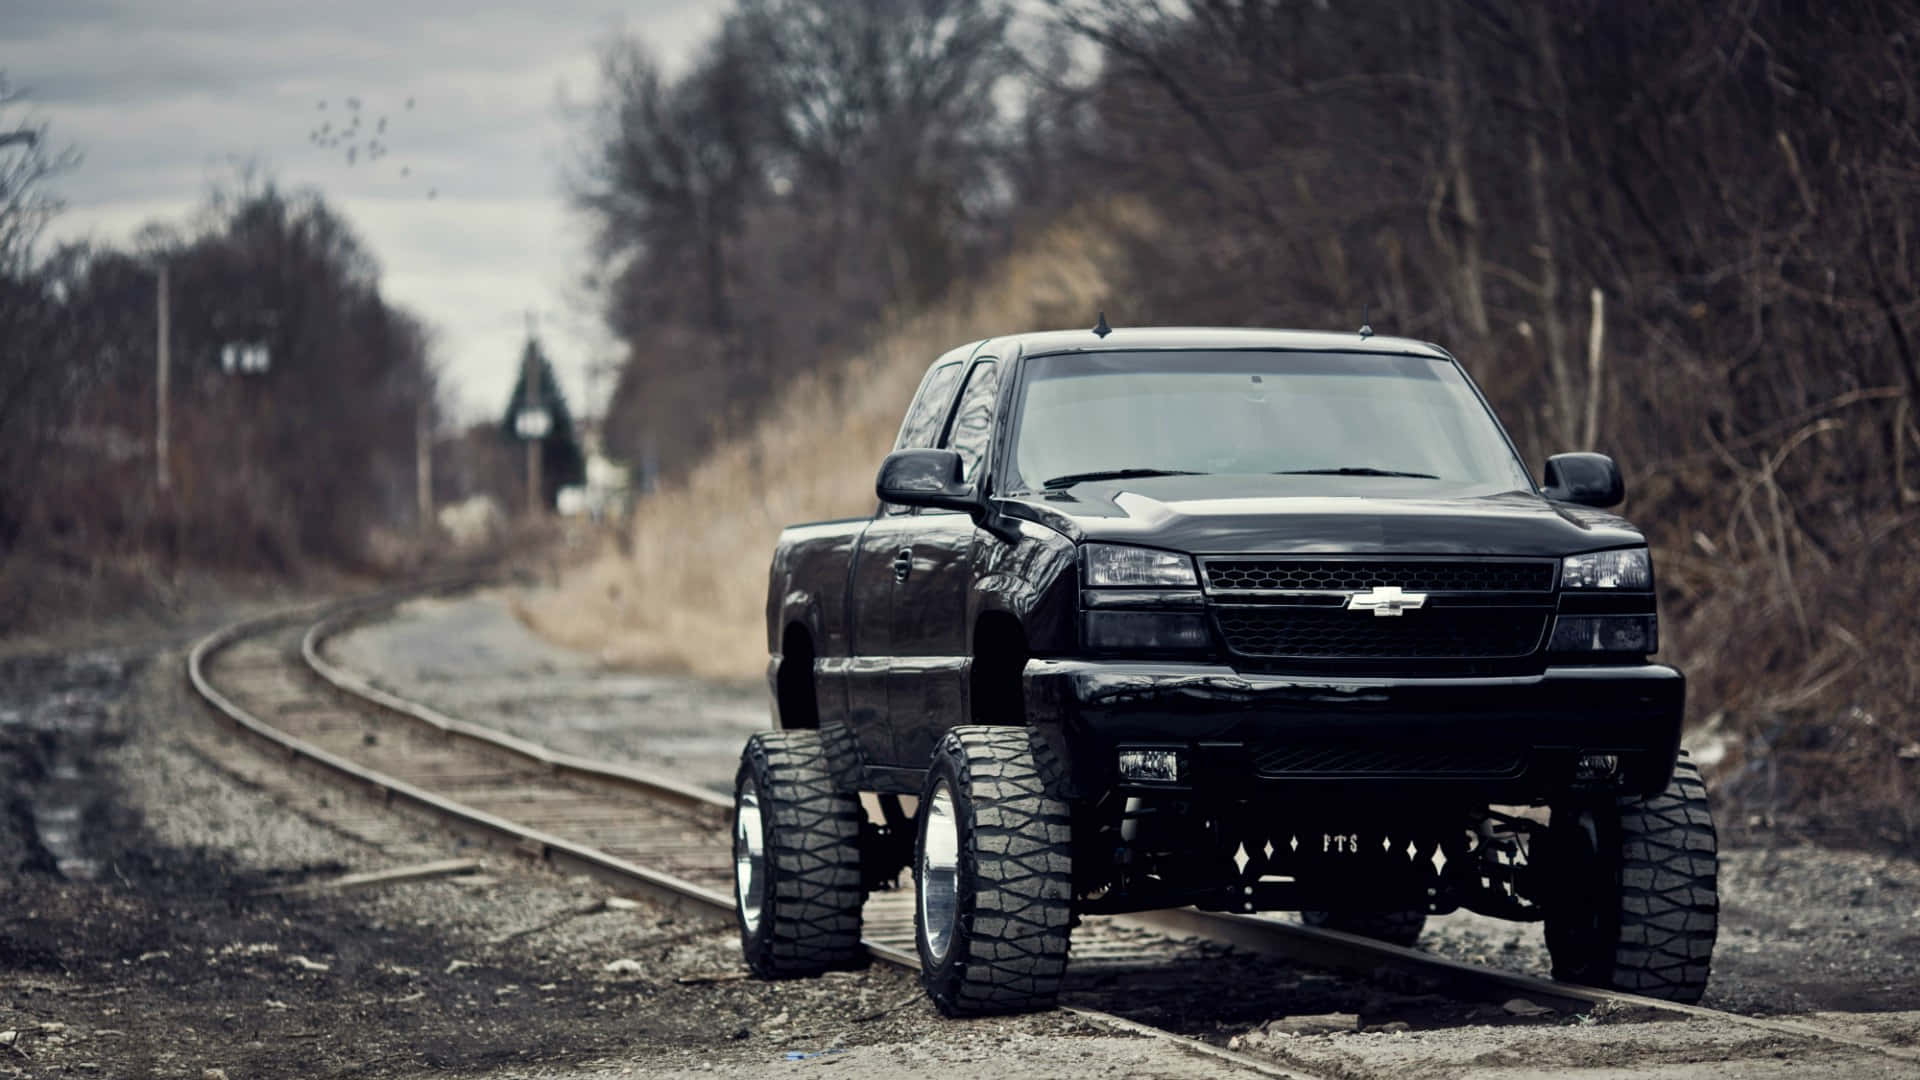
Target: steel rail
{"type": "Point", "coordinates": [649, 784]}
{"type": "Point", "coordinates": [563, 854]}
{"type": "Point", "coordinates": [1325, 948]}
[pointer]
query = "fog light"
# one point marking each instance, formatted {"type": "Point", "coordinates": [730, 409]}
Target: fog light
{"type": "Point", "coordinates": [1146, 631]}
{"type": "Point", "coordinates": [1154, 766]}
{"type": "Point", "coordinates": [1595, 767]}
{"type": "Point", "coordinates": [1605, 633]}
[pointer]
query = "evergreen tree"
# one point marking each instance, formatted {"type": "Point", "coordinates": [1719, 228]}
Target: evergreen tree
{"type": "Point", "coordinates": [561, 462]}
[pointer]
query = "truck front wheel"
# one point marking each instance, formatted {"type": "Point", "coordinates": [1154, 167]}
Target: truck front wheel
{"type": "Point", "coordinates": [993, 871]}
{"type": "Point", "coordinates": [1635, 896]}
{"type": "Point", "coordinates": [796, 859]}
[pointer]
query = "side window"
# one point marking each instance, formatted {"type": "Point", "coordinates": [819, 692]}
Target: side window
{"type": "Point", "coordinates": [929, 410]}
{"type": "Point", "coordinates": [922, 425]}
{"type": "Point", "coordinates": [973, 420]}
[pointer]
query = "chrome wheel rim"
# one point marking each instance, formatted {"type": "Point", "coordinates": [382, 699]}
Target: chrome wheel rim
{"type": "Point", "coordinates": [749, 856]}
{"type": "Point", "coordinates": [939, 872]}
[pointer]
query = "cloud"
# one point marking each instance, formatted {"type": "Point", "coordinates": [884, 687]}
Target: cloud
{"type": "Point", "coordinates": [164, 100]}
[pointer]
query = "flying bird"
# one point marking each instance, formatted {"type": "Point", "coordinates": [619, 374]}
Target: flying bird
{"type": "Point", "coordinates": [348, 136]}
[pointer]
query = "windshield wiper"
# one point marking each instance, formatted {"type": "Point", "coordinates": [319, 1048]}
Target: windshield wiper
{"type": "Point", "coordinates": [1355, 470]}
{"type": "Point", "coordinates": [1071, 479]}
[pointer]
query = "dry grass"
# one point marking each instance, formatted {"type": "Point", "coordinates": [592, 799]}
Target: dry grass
{"type": "Point", "coordinates": [691, 596]}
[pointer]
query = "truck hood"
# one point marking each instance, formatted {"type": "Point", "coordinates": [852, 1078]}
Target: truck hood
{"type": "Point", "coordinates": [1221, 515]}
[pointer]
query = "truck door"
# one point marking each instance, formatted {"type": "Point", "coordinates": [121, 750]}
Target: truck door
{"type": "Point", "coordinates": [881, 565]}
{"type": "Point", "coordinates": [927, 687]}
{"type": "Point", "coordinates": [871, 585]}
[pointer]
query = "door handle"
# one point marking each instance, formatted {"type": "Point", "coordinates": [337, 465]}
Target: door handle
{"type": "Point", "coordinates": [903, 564]}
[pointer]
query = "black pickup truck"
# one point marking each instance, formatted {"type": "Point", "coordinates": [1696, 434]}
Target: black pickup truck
{"type": "Point", "coordinates": [1251, 620]}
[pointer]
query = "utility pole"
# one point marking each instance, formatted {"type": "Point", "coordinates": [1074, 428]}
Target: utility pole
{"type": "Point", "coordinates": [163, 320]}
{"type": "Point", "coordinates": [423, 464]}
{"type": "Point", "coordinates": [588, 428]}
{"type": "Point", "coordinates": [535, 505]}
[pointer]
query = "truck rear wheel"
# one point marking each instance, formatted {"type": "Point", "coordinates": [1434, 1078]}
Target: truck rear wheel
{"type": "Point", "coordinates": [993, 875]}
{"type": "Point", "coordinates": [796, 859]}
{"type": "Point", "coordinates": [1636, 898]}
{"type": "Point", "coordinates": [1402, 928]}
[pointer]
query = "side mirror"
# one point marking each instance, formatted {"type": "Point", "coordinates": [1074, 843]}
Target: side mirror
{"type": "Point", "coordinates": [1587, 479]}
{"type": "Point", "coordinates": [932, 478]}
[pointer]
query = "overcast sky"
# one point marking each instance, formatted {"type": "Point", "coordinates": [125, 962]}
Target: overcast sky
{"type": "Point", "coordinates": [164, 97]}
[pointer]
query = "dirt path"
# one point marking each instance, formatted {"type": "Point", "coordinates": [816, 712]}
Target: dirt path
{"type": "Point", "coordinates": [469, 656]}
{"type": "Point", "coordinates": [140, 936]}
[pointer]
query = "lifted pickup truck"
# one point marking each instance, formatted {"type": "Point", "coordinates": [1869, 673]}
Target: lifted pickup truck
{"type": "Point", "coordinates": [1249, 620]}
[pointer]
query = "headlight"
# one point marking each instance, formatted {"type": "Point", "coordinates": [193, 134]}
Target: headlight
{"type": "Point", "coordinates": [1145, 631]}
{"type": "Point", "coordinates": [1605, 633]}
{"type": "Point", "coordinates": [1626, 569]}
{"type": "Point", "coordinates": [1111, 564]}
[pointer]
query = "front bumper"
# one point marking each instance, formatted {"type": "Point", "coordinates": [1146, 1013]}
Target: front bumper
{"type": "Point", "coordinates": [1499, 739]}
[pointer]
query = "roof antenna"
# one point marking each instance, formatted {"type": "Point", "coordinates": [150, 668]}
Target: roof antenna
{"type": "Point", "coordinates": [1366, 326]}
{"type": "Point", "coordinates": [1101, 329]}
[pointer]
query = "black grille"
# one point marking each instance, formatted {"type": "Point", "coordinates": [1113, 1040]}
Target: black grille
{"type": "Point", "coordinates": [1469, 575]}
{"type": "Point", "coordinates": [1426, 634]}
{"type": "Point", "coordinates": [1390, 761]}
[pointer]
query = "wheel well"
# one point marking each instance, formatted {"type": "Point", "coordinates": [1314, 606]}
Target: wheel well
{"type": "Point", "coordinates": [999, 657]}
{"type": "Point", "coordinates": [799, 708]}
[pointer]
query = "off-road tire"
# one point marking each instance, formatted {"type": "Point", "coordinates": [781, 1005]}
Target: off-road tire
{"type": "Point", "coordinates": [809, 920]}
{"type": "Point", "coordinates": [1014, 878]}
{"type": "Point", "coordinates": [1402, 928]}
{"type": "Point", "coordinates": [844, 759]}
{"type": "Point", "coordinates": [1635, 902]}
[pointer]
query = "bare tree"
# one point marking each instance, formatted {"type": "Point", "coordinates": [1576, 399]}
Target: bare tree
{"type": "Point", "coordinates": [822, 162]}
{"type": "Point", "coordinates": [27, 163]}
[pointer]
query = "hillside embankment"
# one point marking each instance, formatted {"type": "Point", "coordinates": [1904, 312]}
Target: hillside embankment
{"type": "Point", "coordinates": [686, 591]}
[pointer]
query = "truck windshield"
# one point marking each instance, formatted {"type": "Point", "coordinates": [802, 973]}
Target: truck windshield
{"type": "Point", "coordinates": [1355, 422]}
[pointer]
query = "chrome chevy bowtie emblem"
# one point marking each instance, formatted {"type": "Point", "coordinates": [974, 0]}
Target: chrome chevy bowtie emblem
{"type": "Point", "coordinates": [1386, 600]}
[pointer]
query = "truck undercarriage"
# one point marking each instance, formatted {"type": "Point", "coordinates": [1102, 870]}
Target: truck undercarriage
{"type": "Point", "coordinates": [1279, 854]}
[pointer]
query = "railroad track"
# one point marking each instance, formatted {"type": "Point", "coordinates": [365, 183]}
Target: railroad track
{"type": "Point", "coordinates": [669, 840]}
